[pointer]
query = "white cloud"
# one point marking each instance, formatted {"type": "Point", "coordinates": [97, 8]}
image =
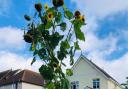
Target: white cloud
{"type": "Point", "coordinates": [10, 60]}
{"type": "Point", "coordinates": [99, 48]}
{"type": "Point", "coordinates": [94, 43]}
{"type": "Point", "coordinates": [4, 6]}
{"type": "Point", "coordinates": [11, 37]}
{"type": "Point", "coordinates": [101, 8]}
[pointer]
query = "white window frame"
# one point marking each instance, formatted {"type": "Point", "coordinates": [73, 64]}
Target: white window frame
{"type": "Point", "coordinates": [13, 86]}
{"type": "Point", "coordinates": [75, 83]}
{"type": "Point", "coordinates": [97, 83]}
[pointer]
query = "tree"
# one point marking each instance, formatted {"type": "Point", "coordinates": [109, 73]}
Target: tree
{"type": "Point", "coordinates": [125, 85]}
{"type": "Point", "coordinates": [51, 40]}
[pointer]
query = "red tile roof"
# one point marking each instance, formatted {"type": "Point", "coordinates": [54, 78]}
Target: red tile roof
{"type": "Point", "coordinates": [15, 76]}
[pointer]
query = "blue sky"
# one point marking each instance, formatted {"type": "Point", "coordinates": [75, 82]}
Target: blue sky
{"type": "Point", "coordinates": [106, 34]}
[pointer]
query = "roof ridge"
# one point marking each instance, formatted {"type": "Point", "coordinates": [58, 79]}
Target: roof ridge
{"type": "Point", "coordinates": [8, 71]}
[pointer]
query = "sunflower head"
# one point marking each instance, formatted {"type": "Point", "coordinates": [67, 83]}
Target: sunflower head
{"type": "Point", "coordinates": [50, 16]}
{"type": "Point", "coordinates": [82, 18]}
{"type": "Point", "coordinates": [46, 7]}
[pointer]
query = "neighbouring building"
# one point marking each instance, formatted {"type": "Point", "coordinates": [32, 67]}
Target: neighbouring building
{"type": "Point", "coordinates": [88, 75]}
{"type": "Point", "coordinates": [20, 79]}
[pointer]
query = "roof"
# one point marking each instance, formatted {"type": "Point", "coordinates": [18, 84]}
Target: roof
{"type": "Point", "coordinates": [97, 67]}
{"type": "Point", "coordinates": [15, 76]}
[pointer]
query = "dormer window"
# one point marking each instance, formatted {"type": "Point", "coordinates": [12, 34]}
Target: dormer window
{"type": "Point", "coordinates": [96, 83]}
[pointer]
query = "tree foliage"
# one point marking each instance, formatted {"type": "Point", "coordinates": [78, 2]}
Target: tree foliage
{"type": "Point", "coordinates": [51, 38]}
{"type": "Point", "coordinates": [125, 85]}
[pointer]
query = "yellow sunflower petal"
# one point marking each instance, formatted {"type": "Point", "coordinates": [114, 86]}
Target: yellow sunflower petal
{"type": "Point", "coordinates": [46, 7]}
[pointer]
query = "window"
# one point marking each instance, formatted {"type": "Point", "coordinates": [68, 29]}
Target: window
{"type": "Point", "coordinates": [14, 86]}
{"type": "Point", "coordinates": [96, 83]}
{"type": "Point", "coordinates": [2, 87]}
{"type": "Point", "coordinates": [75, 85]}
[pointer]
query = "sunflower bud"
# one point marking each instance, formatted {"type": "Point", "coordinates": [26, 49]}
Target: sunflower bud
{"type": "Point", "coordinates": [27, 17]}
{"type": "Point", "coordinates": [58, 3]}
{"type": "Point", "coordinates": [55, 65]}
{"type": "Point", "coordinates": [38, 7]}
{"type": "Point", "coordinates": [28, 38]}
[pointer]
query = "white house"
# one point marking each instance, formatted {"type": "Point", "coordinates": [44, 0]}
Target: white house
{"type": "Point", "coordinates": [20, 79]}
{"type": "Point", "coordinates": [88, 75]}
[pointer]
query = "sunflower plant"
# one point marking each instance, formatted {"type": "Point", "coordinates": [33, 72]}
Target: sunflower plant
{"type": "Point", "coordinates": [52, 40]}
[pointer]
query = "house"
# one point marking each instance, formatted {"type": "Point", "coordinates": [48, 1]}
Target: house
{"type": "Point", "coordinates": [88, 75]}
{"type": "Point", "coordinates": [20, 79]}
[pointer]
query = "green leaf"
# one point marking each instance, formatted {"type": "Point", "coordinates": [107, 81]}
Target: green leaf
{"type": "Point", "coordinates": [64, 8]}
{"type": "Point", "coordinates": [65, 84]}
{"type": "Point", "coordinates": [79, 34]}
{"type": "Point", "coordinates": [33, 47]}
{"type": "Point", "coordinates": [46, 72]}
{"type": "Point", "coordinates": [63, 50]}
{"type": "Point", "coordinates": [65, 44]}
{"type": "Point", "coordinates": [71, 60]}
{"type": "Point", "coordinates": [42, 53]}
{"type": "Point", "coordinates": [55, 39]}
{"type": "Point", "coordinates": [58, 17]}
{"type": "Point", "coordinates": [50, 86]}
{"type": "Point", "coordinates": [76, 45]}
{"type": "Point", "coordinates": [48, 25]}
{"type": "Point", "coordinates": [40, 27]}
{"type": "Point", "coordinates": [69, 72]}
{"type": "Point", "coordinates": [63, 26]}
{"type": "Point", "coordinates": [61, 55]}
{"type": "Point", "coordinates": [33, 61]}
{"type": "Point", "coordinates": [68, 14]}
{"type": "Point", "coordinates": [35, 52]}
{"type": "Point", "coordinates": [77, 23]}
{"type": "Point", "coordinates": [45, 34]}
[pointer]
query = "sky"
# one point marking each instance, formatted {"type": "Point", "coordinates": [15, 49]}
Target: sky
{"type": "Point", "coordinates": [106, 34]}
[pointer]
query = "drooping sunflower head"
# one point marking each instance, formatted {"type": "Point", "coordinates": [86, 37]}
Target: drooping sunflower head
{"type": "Point", "coordinates": [38, 7]}
{"type": "Point", "coordinates": [50, 16]}
{"type": "Point", "coordinates": [46, 7]}
{"type": "Point", "coordinates": [77, 14]}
